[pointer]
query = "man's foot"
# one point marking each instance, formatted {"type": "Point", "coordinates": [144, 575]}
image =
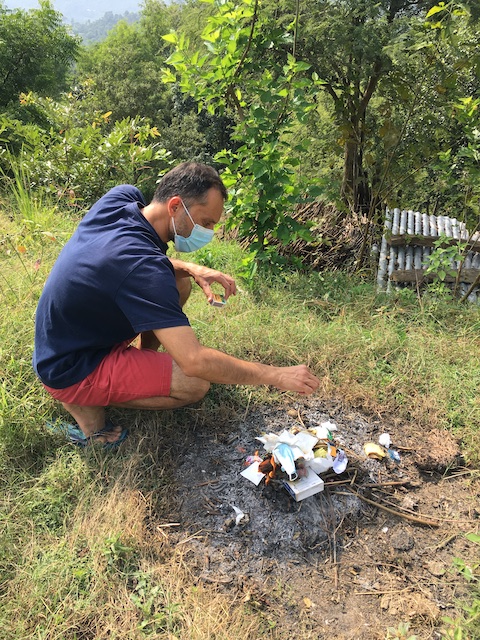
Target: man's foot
{"type": "Point", "coordinates": [109, 437]}
{"type": "Point", "coordinates": [109, 433]}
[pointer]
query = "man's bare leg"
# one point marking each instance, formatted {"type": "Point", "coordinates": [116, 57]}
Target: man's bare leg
{"type": "Point", "coordinates": [91, 420]}
{"type": "Point", "coordinates": [184, 390]}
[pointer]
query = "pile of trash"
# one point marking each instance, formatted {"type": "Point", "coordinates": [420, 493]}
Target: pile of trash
{"type": "Point", "coordinates": [296, 458]}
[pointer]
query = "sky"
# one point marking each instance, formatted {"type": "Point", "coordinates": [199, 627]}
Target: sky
{"type": "Point", "coordinates": [80, 10]}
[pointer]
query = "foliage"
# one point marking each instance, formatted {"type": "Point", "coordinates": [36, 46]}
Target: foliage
{"type": "Point", "coordinates": [36, 52]}
{"type": "Point", "coordinates": [389, 83]}
{"type": "Point", "coordinates": [231, 76]}
{"type": "Point", "coordinates": [400, 633]}
{"type": "Point", "coordinates": [444, 258]}
{"type": "Point", "coordinates": [352, 47]}
{"type": "Point", "coordinates": [193, 133]}
{"type": "Point", "coordinates": [78, 159]}
{"type": "Point", "coordinates": [124, 72]}
{"type": "Point", "coordinates": [459, 166]}
{"type": "Point", "coordinates": [158, 612]}
{"type": "Point", "coordinates": [452, 177]}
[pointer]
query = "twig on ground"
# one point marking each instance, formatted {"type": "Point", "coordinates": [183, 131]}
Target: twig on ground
{"type": "Point", "coordinates": [400, 514]}
{"type": "Point", "coordinates": [204, 484]}
{"type": "Point", "coordinates": [381, 593]}
{"type": "Point", "coordinates": [300, 419]}
{"type": "Point", "coordinates": [443, 543]}
{"type": "Point", "coordinates": [393, 483]}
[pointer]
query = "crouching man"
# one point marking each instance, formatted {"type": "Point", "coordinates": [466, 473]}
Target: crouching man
{"type": "Point", "coordinates": [113, 282]}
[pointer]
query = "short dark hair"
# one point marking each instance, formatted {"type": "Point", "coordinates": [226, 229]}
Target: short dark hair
{"type": "Point", "coordinates": [190, 181]}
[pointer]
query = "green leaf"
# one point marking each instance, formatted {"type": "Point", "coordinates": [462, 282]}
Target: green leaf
{"type": "Point", "coordinates": [473, 537]}
{"type": "Point", "coordinates": [259, 168]}
{"type": "Point", "coordinates": [168, 76]}
{"type": "Point", "coordinates": [302, 66]}
{"type": "Point", "coordinates": [436, 9]}
{"type": "Point", "coordinates": [170, 37]}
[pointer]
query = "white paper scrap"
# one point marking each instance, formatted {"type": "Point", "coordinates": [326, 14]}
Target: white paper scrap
{"type": "Point", "coordinates": [320, 465]}
{"type": "Point", "coordinates": [340, 462]}
{"type": "Point", "coordinates": [253, 474]}
{"type": "Point", "coordinates": [305, 441]}
{"type": "Point", "coordinates": [385, 440]}
{"type": "Point", "coordinates": [239, 514]}
{"type": "Point", "coordinates": [322, 432]}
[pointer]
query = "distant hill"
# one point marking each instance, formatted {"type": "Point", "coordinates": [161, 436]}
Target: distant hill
{"type": "Point", "coordinates": [96, 30]}
{"type": "Point", "coordinates": [81, 10]}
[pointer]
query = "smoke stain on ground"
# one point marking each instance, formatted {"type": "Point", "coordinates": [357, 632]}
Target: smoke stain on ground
{"type": "Point", "coordinates": [332, 565]}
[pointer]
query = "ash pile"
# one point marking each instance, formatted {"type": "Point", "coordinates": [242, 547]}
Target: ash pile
{"type": "Point", "coordinates": [240, 524]}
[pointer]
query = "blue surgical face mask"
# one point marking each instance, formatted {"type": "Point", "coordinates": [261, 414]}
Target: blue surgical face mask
{"type": "Point", "coordinates": [199, 237]}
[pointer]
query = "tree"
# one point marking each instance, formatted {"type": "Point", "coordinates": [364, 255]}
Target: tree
{"type": "Point", "coordinates": [36, 52]}
{"type": "Point", "coordinates": [458, 170]}
{"type": "Point", "coordinates": [125, 71]}
{"type": "Point", "coordinates": [240, 72]}
{"type": "Point", "coordinates": [97, 30]}
{"type": "Point", "coordinates": [390, 85]}
{"type": "Point", "coordinates": [349, 44]}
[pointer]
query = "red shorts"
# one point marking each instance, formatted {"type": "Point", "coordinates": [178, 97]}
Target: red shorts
{"type": "Point", "coordinates": [125, 374]}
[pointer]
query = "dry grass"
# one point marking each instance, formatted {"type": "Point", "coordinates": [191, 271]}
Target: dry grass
{"type": "Point", "coordinates": [82, 555]}
{"type": "Point", "coordinates": [111, 572]}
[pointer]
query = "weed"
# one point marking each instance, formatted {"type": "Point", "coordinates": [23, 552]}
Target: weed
{"type": "Point", "coordinates": [466, 626]}
{"type": "Point", "coordinates": [158, 612]}
{"type": "Point", "coordinates": [120, 557]}
{"type": "Point", "coordinates": [400, 632]}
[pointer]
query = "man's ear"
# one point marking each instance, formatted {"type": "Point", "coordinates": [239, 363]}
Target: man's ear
{"type": "Point", "coordinates": [172, 205]}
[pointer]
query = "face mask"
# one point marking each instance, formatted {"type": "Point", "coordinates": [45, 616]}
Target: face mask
{"type": "Point", "coordinates": [199, 237]}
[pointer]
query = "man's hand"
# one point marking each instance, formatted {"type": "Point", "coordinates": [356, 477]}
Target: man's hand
{"type": "Point", "coordinates": [298, 378]}
{"type": "Point", "coordinates": [204, 277]}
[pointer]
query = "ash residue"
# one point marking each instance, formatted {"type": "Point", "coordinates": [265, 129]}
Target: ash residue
{"type": "Point", "coordinates": [275, 526]}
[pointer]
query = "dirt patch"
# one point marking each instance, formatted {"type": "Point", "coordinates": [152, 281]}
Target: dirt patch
{"type": "Point", "coordinates": [371, 551]}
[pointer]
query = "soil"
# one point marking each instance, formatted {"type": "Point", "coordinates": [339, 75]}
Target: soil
{"type": "Point", "coordinates": [374, 550]}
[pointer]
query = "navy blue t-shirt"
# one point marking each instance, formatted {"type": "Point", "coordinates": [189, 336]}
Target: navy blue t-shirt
{"type": "Point", "coordinates": [111, 281]}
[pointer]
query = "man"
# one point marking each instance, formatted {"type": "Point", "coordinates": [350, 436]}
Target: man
{"type": "Point", "coordinates": [113, 282]}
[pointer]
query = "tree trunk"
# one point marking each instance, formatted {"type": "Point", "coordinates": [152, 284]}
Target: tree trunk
{"type": "Point", "coordinates": [356, 192]}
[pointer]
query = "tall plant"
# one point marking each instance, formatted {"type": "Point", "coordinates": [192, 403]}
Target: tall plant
{"type": "Point", "coordinates": [252, 72]}
{"type": "Point", "coordinates": [81, 155]}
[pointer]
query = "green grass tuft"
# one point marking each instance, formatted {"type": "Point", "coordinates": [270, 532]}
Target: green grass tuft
{"type": "Point", "coordinates": [77, 557]}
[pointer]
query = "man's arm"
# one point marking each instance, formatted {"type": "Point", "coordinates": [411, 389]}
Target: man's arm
{"type": "Point", "coordinates": [198, 361]}
{"type": "Point", "coordinates": [204, 277]}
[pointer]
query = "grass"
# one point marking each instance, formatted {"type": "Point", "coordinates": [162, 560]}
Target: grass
{"type": "Point", "coordinates": [81, 555]}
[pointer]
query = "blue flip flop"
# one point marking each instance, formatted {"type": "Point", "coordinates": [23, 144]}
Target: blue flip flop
{"type": "Point", "coordinates": [75, 435]}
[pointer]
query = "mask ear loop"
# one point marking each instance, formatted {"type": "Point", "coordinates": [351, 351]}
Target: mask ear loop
{"type": "Point", "coordinates": [187, 212]}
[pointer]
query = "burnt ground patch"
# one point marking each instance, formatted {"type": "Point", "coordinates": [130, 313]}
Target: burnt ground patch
{"type": "Point", "coordinates": [372, 550]}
